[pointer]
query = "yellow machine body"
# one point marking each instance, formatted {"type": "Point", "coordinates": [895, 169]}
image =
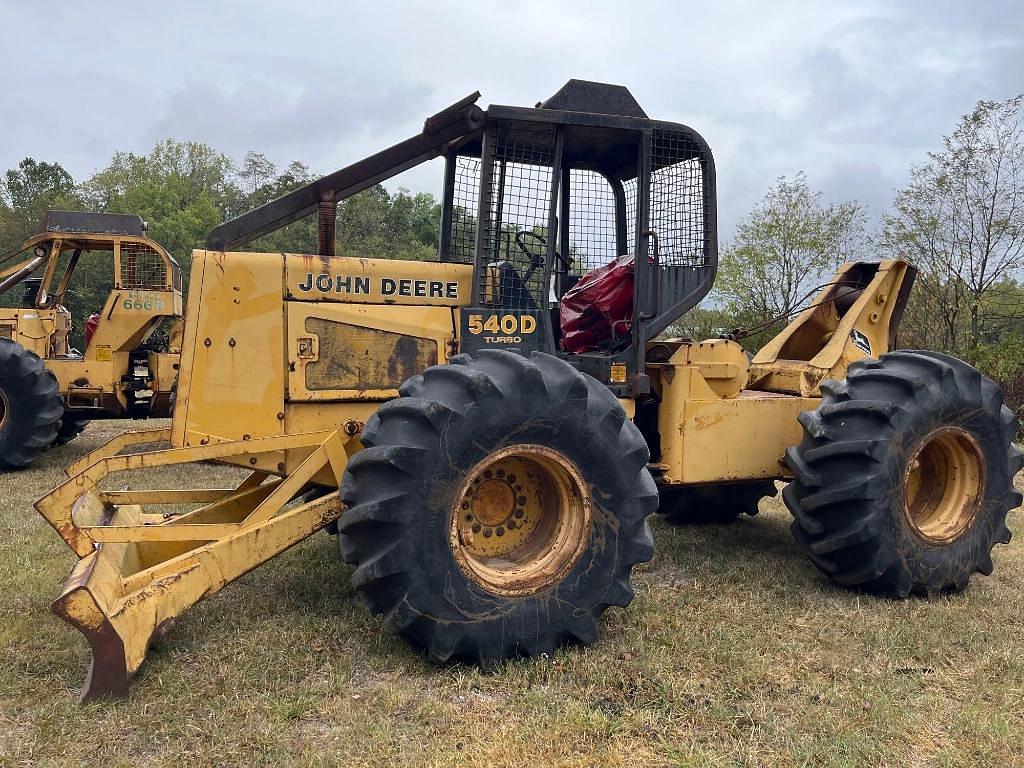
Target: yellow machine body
{"type": "Point", "coordinates": [725, 418]}
{"type": "Point", "coordinates": [281, 344]}
{"type": "Point", "coordinates": [286, 357]}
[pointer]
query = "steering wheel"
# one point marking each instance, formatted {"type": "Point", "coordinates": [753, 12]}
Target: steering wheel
{"type": "Point", "coordinates": [537, 259]}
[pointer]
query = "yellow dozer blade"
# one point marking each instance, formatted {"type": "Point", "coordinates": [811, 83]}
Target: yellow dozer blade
{"type": "Point", "coordinates": [140, 568]}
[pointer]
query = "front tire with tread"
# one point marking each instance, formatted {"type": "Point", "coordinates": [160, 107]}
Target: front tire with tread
{"type": "Point", "coordinates": [417, 452]}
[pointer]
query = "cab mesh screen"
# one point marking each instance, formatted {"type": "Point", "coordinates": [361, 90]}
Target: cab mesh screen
{"type": "Point", "coordinates": [515, 234]}
{"type": "Point", "coordinates": [462, 240]}
{"type": "Point", "coordinates": [592, 240]}
{"type": "Point", "coordinates": [142, 267]}
{"type": "Point", "coordinates": [678, 209]}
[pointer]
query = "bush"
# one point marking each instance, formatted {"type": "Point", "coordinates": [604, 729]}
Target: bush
{"type": "Point", "coordinates": [1004, 363]}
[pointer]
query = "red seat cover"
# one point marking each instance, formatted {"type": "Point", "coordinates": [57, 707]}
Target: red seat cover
{"type": "Point", "coordinates": [602, 301]}
{"type": "Point", "coordinates": [90, 327]}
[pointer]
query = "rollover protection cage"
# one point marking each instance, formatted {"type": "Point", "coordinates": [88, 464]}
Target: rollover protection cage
{"type": "Point", "coordinates": [542, 196]}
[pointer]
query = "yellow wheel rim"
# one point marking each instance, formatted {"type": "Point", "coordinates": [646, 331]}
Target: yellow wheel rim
{"type": "Point", "coordinates": [521, 520]}
{"type": "Point", "coordinates": [945, 481]}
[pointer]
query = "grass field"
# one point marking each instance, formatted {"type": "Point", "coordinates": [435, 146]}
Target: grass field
{"type": "Point", "coordinates": [735, 652]}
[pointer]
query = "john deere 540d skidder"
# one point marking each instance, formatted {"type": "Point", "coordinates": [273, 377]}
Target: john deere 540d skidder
{"type": "Point", "coordinates": [501, 422]}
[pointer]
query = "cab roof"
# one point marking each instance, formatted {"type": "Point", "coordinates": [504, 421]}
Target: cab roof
{"type": "Point", "coordinates": [81, 222]}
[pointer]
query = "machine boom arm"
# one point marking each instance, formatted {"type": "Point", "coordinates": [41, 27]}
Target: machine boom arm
{"type": "Point", "coordinates": [439, 130]}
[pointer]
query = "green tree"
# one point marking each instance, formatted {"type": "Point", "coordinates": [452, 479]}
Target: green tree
{"type": "Point", "coordinates": [297, 237]}
{"type": "Point", "coordinates": [377, 224]}
{"type": "Point", "coordinates": [182, 189]}
{"type": "Point", "coordinates": [961, 221]}
{"type": "Point", "coordinates": [25, 194]}
{"type": "Point", "coordinates": [256, 172]}
{"type": "Point", "coordinates": [786, 247]}
{"type": "Point", "coordinates": [701, 323]}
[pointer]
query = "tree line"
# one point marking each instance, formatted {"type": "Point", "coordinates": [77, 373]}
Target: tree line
{"type": "Point", "coordinates": [959, 219]}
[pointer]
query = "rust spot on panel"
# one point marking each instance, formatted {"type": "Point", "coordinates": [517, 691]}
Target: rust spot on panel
{"type": "Point", "coordinates": [706, 422]}
{"type": "Point", "coordinates": [353, 357]}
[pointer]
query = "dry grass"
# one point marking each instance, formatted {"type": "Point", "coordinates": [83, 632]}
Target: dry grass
{"type": "Point", "coordinates": [736, 652]}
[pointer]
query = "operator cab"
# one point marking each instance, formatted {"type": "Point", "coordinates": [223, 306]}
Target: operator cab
{"type": "Point", "coordinates": [47, 276]}
{"type": "Point", "coordinates": [585, 216]}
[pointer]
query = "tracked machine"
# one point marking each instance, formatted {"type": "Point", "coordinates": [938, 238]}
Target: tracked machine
{"type": "Point", "coordinates": [488, 433]}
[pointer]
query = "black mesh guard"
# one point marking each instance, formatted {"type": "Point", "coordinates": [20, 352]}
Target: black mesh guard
{"type": "Point", "coordinates": [593, 240]}
{"type": "Point", "coordinates": [465, 196]}
{"type": "Point", "coordinates": [515, 224]}
{"type": "Point", "coordinates": [507, 196]}
{"type": "Point", "coordinates": [682, 214]}
{"type": "Point", "coordinates": [677, 212]}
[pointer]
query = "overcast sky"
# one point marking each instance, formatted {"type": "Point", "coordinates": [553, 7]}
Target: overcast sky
{"type": "Point", "coordinates": [850, 93]}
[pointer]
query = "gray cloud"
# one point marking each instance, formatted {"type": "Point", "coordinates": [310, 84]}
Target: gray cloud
{"type": "Point", "coordinates": [852, 94]}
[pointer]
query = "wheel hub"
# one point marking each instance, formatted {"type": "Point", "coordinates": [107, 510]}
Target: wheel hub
{"type": "Point", "coordinates": [494, 500]}
{"type": "Point", "coordinates": [944, 483]}
{"type": "Point", "coordinates": [521, 520]}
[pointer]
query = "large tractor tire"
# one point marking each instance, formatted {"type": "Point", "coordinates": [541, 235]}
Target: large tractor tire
{"type": "Point", "coordinates": [700, 504]}
{"type": "Point", "coordinates": [30, 404]}
{"type": "Point", "coordinates": [498, 508]}
{"type": "Point", "coordinates": [70, 428]}
{"type": "Point", "coordinates": [904, 475]}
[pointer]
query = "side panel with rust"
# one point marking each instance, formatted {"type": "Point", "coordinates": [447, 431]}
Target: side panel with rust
{"type": "Point", "coordinates": [361, 352]}
{"type": "Point", "coordinates": [352, 357]}
{"type": "Point", "coordinates": [263, 357]}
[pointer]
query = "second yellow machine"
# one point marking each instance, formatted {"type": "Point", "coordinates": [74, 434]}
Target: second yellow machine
{"type": "Point", "coordinates": [49, 390]}
{"type": "Point", "coordinates": [488, 433]}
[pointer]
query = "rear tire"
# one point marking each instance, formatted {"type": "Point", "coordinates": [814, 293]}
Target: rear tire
{"type": "Point", "coordinates": [70, 428]}
{"type": "Point", "coordinates": [31, 405]}
{"type": "Point", "coordinates": [905, 475]}
{"type": "Point", "coordinates": [715, 504]}
{"type": "Point", "coordinates": [441, 464]}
